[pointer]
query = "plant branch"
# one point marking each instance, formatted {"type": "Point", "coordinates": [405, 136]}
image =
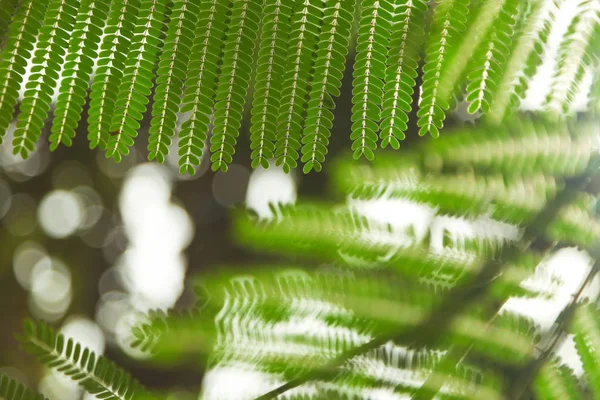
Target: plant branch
{"type": "Point", "coordinates": [529, 372]}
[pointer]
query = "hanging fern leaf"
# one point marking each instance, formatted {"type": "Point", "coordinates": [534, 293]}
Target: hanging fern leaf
{"type": "Point", "coordinates": [234, 81]}
{"type": "Point", "coordinates": [138, 77]}
{"type": "Point", "coordinates": [533, 30]}
{"type": "Point", "coordinates": [407, 33]}
{"type": "Point", "coordinates": [48, 58]}
{"type": "Point", "coordinates": [270, 66]}
{"type": "Point", "coordinates": [13, 390]}
{"type": "Point", "coordinates": [489, 61]}
{"type": "Point", "coordinates": [79, 61]}
{"type": "Point", "coordinates": [332, 48]}
{"type": "Point", "coordinates": [170, 76]}
{"type": "Point", "coordinates": [22, 34]}
{"type": "Point", "coordinates": [449, 22]}
{"type": "Point", "coordinates": [201, 81]}
{"type": "Point", "coordinates": [94, 373]}
{"type": "Point", "coordinates": [113, 54]}
{"type": "Point", "coordinates": [574, 56]}
{"type": "Point", "coordinates": [303, 39]}
{"type": "Point", "coordinates": [369, 75]}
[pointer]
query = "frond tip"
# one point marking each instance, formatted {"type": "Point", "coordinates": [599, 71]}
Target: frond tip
{"type": "Point", "coordinates": [94, 373]}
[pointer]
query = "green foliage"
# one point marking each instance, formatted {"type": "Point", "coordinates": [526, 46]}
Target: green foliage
{"type": "Point", "coordinates": [77, 70]}
{"type": "Point", "coordinates": [138, 74]}
{"type": "Point", "coordinates": [358, 305]}
{"type": "Point", "coordinates": [13, 390]}
{"type": "Point", "coordinates": [112, 57]}
{"type": "Point", "coordinates": [94, 373]}
{"type": "Point", "coordinates": [234, 79]}
{"type": "Point", "coordinates": [24, 27]}
{"type": "Point", "coordinates": [199, 62]}
{"type": "Point", "coordinates": [172, 66]}
{"type": "Point", "coordinates": [407, 32]}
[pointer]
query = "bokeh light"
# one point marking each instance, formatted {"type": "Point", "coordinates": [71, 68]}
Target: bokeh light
{"type": "Point", "coordinates": [60, 213]}
{"type": "Point", "coordinates": [51, 291]}
{"type": "Point", "coordinates": [269, 186]}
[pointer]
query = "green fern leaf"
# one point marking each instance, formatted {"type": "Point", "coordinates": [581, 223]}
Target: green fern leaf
{"type": "Point", "coordinates": [532, 32]}
{"type": "Point", "coordinates": [79, 61]}
{"type": "Point", "coordinates": [449, 22]}
{"type": "Point", "coordinates": [330, 58]}
{"type": "Point", "coordinates": [369, 75]}
{"type": "Point", "coordinates": [522, 146]}
{"type": "Point", "coordinates": [556, 382]}
{"type": "Point", "coordinates": [587, 342]}
{"type": "Point", "coordinates": [575, 55]}
{"type": "Point", "coordinates": [138, 77]}
{"type": "Point", "coordinates": [47, 61]}
{"type": "Point", "coordinates": [13, 390]}
{"type": "Point", "coordinates": [22, 34]}
{"type": "Point", "coordinates": [94, 373]}
{"type": "Point", "coordinates": [305, 30]}
{"type": "Point", "coordinates": [170, 76]}
{"type": "Point", "coordinates": [234, 81]}
{"type": "Point", "coordinates": [270, 66]}
{"type": "Point", "coordinates": [407, 35]}
{"type": "Point", "coordinates": [488, 63]}
{"type": "Point", "coordinates": [113, 53]}
{"type": "Point", "coordinates": [201, 81]}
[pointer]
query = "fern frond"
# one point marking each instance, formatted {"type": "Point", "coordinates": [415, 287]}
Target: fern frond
{"type": "Point", "coordinates": [532, 31]}
{"type": "Point", "coordinates": [176, 336]}
{"type": "Point", "coordinates": [407, 33]}
{"type": "Point", "coordinates": [523, 145]}
{"type": "Point", "coordinates": [170, 77]}
{"type": "Point", "coordinates": [449, 22]}
{"type": "Point", "coordinates": [138, 76]}
{"type": "Point", "coordinates": [79, 61]}
{"type": "Point", "coordinates": [94, 373]}
{"type": "Point", "coordinates": [556, 382]}
{"type": "Point", "coordinates": [201, 81]}
{"type": "Point", "coordinates": [332, 48]}
{"type": "Point", "coordinates": [13, 390]}
{"type": "Point", "coordinates": [270, 66]}
{"type": "Point", "coordinates": [234, 81]}
{"type": "Point", "coordinates": [295, 81]}
{"type": "Point", "coordinates": [47, 61]}
{"type": "Point", "coordinates": [575, 54]}
{"type": "Point", "coordinates": [119, 29]}
{"type": "Point", "coordinates": [22, 33]}
{"type": "Point", "coordinates": [586, 328]}
{"type": "Point", "coordinates": [369, 74]}
{"type": "Point", "coordinates": [488, 63]}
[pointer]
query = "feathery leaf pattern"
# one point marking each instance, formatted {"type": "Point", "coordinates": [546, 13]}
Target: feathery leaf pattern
{"type": "Point", "coordinates": [233, 84]}
{"type": "Point", "coordinates": [47, 59]}
{"type": "Point", "coordinates": [23, 29]}
{"type": "Point", "coordinates": [113, 54]}
{"type": "Point", "coordinates": [138, 75]}
{"type": "Point", "coordinates": [270, 65]}
{"type": "Point", "coordinates": [330, 57]}
{"type": "Point", "coordinates": [170, 77]}
{"type": "Point", "coordinates": [201, 82]}
{"type": "Point", "coordinates": [79, 62]}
